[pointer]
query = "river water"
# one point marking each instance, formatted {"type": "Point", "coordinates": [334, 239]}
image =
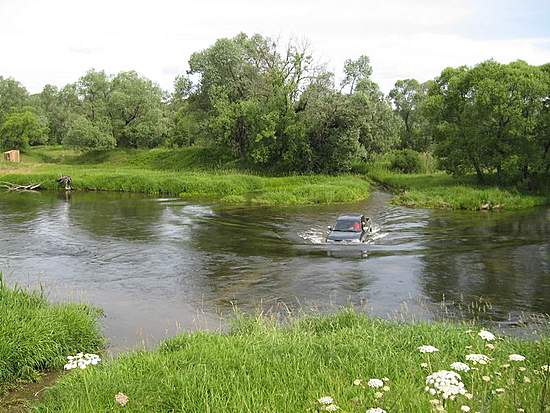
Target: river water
{"type": "Point", "coordinates": [159, 266]}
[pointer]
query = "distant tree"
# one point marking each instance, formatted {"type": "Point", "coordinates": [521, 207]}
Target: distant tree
{"type": "Point", "coordinates": [356, 71]}
{"type": "Point", "coordinates": [57, 106]}
{"type": "Point", "coordinates": [21, 129]}
{"type": "Point", "coordinates": [407, 97]}
{"type": "Point", "coordinates": [87, 135]}
{"type": "Point", "coordinates": [12, 96]}
{"type": "Point", "coordinates": [135, 106]}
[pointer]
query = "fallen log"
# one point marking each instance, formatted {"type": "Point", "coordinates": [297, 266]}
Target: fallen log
{"type": "Point", "coordinates": [11, 187]}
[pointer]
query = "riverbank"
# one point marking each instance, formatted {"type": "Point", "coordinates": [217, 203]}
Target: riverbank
{"type": "Point", "coordinates": [346, 360]}
{"type": "Point", "coordinates": [192, 173]}
{"type": "Point", "coordinates": [205, 174]}
{"type": "Point", "coordinates": [443, 191]}
{"type": "Point", "coordinates": [36, 337]}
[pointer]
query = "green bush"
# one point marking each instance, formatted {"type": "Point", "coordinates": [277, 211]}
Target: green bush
{"type": "Point", "coordinates": [406, 161]}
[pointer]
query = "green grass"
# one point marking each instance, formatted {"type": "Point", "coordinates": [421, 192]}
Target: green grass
{"type": "Point", "coordinates": [191, 173]}
{"type": "Point", "coordinates": [440, 190]}
{"type": "Point", "coordinates": [36, 336]}
{"type": "Point", "coordinates": [264, 367]}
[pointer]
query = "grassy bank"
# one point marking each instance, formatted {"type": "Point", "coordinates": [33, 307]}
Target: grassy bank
{"type": "Point", "coordinates": [35, 336]}
{"type": "Point", "coordinates": [192, 173]}
{"type": "Point", "coordinates": [263, 367]}
{"type": "Point", "coordinates": [439, 190]}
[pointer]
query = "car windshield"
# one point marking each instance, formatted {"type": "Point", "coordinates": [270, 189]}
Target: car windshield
{"type": "Point", "coordinates": [347, 225]}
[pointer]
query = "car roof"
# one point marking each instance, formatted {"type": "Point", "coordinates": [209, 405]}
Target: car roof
{"type": "Point", "coordinates": [350, 216]}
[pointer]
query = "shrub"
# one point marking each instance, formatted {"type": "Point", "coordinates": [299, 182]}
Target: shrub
{"type": "Point", "coordinates": [406, 161]}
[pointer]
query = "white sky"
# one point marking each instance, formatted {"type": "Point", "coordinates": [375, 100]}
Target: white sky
{"type": "Point", "coordinates": [56, 41]}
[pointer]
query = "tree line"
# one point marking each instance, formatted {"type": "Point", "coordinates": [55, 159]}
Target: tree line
{"type": "Point", "coordinates": [274, 107]}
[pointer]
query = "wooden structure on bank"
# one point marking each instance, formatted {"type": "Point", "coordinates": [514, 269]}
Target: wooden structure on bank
{"type": "Point", "coordinates": [12, 156]}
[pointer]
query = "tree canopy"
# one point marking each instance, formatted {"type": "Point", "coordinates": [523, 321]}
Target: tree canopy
{"type": "Point", "coordinates": [274, 107]}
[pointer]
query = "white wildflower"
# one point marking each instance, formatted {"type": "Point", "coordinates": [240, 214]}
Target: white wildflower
{"type": "Point", "coordinates": [435, 402]}
{"type": "Point", "coordinates": [505, 366]}
{"type": "Point", "coordinates": [516, 357]}
{"type": "Point", "coordinates": [378, 395]}
{"type": "Point", "coordinates": [465, 408]}
{"type": "Point", "coordinates": [375, 383]}
{"type": "Point", "coordinates": [522, 368]}
{"type": "Point", "coordinates": [386, 388]}
{"type": "Point", "coordinates": [545, 368]}
{"type": "Point", "coordinates": [490, 346]}
{"type": "Point", "coordinates": [500, 390]}
{"type": "Point", "coordinates": [486, 378]}
{"type": "Point", "coordinates": [357, 382]}
{"type": "Point", "coordinates": [375, 410]}
{"type": "Point", "coordinates": [478, 358]}
{"type": "Point", "coordinates": [459, 366]}
{"type": "Point", "coordinates": [526, 379]}
{"type": "Point", "coordinates": [448, 384]}
{"type": "Point", "coordinates": [520, 410]}
{"type": "Point", "coordinates": [325, 400]}
{"type": "Point", "coordinates": [469, 396]}
{"type": "Point", "coordinates": [486, 335]}
{"type": "Point", "coordinates": [424, 365]}
{"type": "Point", "coordinates": [385, 379]}
{"type": "Point", "coordinates": [331, 408]}
{"type": "Point", "coordinates": [81, 361]}
{"type": "Point", "coordinates": [121, 399]}
{"type": "Point", "coordinates": [427, 349]}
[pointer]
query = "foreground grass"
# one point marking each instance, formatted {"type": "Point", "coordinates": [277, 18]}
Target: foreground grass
{"type": "Point", "coordinates": [35, 336]}
{"type": "Point", "coordinates": [189, 173]}
{"type": "Point", "coordinates": [439, 190]}
{"type": "Point", "coordinates": [263, 367]}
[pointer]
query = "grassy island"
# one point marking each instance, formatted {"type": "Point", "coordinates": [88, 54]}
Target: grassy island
{"type": "Point", "coordinates": [440, 190]}
{"type": "Point", "coordinates": [191, 173]}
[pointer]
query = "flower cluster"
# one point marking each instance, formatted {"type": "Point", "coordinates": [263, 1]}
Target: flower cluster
{"type": "Point", "coordinates": [327, 404]}
{"type": "Point", "coordinates": [478, 358]}
{"type": "Point", "coordinates": [427, 349]}
{"type": "Point", "coordinates": [81, 361]}
{"type": "Point", "coordinates": [459, 366]}
{"type": "Point", "coordinates": [446, 383]}
{"type": "Point", "coordinates": [486, 335]}
{"type": "Point", "coordinates": [516, 357]}
{"type": "Point", "coordinates": [375, 410]}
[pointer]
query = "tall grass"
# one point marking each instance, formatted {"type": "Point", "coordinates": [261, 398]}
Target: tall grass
{"type": "Point", "coordinates": [261, 366]}
{"type": "Point", "coordinates": [36, 336]}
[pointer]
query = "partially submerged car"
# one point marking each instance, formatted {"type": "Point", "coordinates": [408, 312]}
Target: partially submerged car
{"type": "Point", "coordinates": [350, 229]}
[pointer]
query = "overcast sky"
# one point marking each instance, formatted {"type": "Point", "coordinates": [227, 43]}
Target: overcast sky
{"type": "Point", "coordinates": [56, 41]}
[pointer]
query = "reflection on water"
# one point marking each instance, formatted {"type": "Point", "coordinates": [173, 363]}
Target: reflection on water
{"type": "Point", "coordinates": [159, 265]}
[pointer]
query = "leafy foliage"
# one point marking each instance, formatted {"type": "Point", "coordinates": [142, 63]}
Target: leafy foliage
{"type": "Point", "coordinates": [407, 161]}
{"type": "Point", "coordinates": [21, 129]}
{"type": "Point", "coordinates": [492, 118]}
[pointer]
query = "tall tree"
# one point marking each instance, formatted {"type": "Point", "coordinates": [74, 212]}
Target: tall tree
{"type": "Point", "coordinates": [12, 96]}
{"type": "Point", "coordinates": [407, 97]}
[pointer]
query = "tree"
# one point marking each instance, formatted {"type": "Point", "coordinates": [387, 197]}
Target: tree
{"type": "Point", "coordinates": [87, 135]}
{"type": "Point", "coordinates": [488, 119]}
{"type": "Point", "coordinates": [21, 129]}
{"type": "Point", "coordinates": [136, 111]}
{"type": "Point", "coordinates": [407, 97]}
{"type": "Point", "coordinates": [12, 96]}
{"type": "Point", "coordinates": [356, 71]}
{"type": "Point", "coordinates": [57, 106]}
